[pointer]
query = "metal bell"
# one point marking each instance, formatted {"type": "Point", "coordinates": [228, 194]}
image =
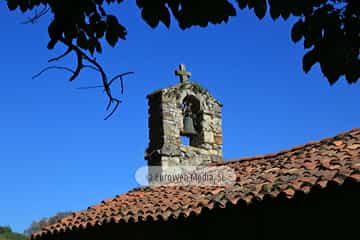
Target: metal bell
{"type": "Point", "coordinates": [189, 129]}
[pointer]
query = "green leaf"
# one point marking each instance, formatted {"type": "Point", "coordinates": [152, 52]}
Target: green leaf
{"type": "Point", "coordinates": [150, 17]}
{"type": "Point", "coordinates": [353, 72]}
{"type": "Point", "coordinates": [309, 59]}
{"type": "Point", "coordinates": [275, 8]}
{"type": "Point", "coordinates": [94, 18]}
{"type": "Point", "coordinates": [285, 14]}
{"type": "Point", "coordinates": [70, 32]}
{"type": "Point", "coordinates": [121, 31]}
{"type": "Point", "coordinates": [260, 8]}
{"type": "Point", "coordinates": [82, 40]}
{"type": "Point", "coordinates": [112, 33]}
{"type": "Point", "coordinates": [12, 4]}
{"type": "Point", "coordinates": [140, 3]}
{"type": "Point", "coordinates": [251, 3]}
{"type": "Point", "coordinates": [111, 38]}
{"type": "Point", "coordinates": [332, 74]}
{"type": "Point", "coordinates": [274, 13]}
{"type": "Point", "coordinates": [230, 9]}
{"type": "Point", "coordinates": [100, 29]}
{"type": "Point", "coordinates": [242, 3]}
{"type": "Point", "coordinates": [308, 42]}
{"type": "Point", "coordinates": [297, 31]}
{"type": "Point", "coordinates": [98, 46]}
{"type": "Point", "coordinates": [295, 8]}
{"type": "Point", "coordinates": [164, 16]}
{"type": "Point", "coordinates": [111, 21]}
{"type": "Point", "coordinates": [24, 5]}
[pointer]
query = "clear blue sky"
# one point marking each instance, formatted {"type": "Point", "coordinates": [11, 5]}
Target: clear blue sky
{"type": "Point", "coordinates": [58, 154]}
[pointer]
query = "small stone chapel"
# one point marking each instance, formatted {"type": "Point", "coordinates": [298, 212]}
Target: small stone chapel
{"type": "Point", "coordinates": [311, 191]}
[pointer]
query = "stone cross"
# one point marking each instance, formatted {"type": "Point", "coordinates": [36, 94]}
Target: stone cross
{"type": "Point", "coordinates": [183, 74]}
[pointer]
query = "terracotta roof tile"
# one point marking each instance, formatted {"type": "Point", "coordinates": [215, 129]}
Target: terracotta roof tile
{"type": "Point", "coordinates": [298, 169]}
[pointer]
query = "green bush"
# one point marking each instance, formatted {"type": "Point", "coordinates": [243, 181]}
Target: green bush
{"type": "Point", "coordinates": [7, 234]}
{"type": "Point", "coordinates": [4, 229]}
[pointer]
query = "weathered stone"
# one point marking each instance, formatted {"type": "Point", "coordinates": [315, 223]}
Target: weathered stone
{"type": "Point", "coordinates": [168, 115]}
{"type": "Point", "coordinates": [218, 139]}
{"type": "Point", "coordinates": [208, 137]}
{"type": "Point", "coordinates": [213, 152]}
{"type": "Point", "coordinates": [166, 124]}
{"type": "Point", "coordinates": [207, 118]}
{"type": "Point", "coordinates": [170, 150]}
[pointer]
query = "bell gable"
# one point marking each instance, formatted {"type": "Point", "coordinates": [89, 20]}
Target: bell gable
{"type": "Point", "coordinates": [185, 110]}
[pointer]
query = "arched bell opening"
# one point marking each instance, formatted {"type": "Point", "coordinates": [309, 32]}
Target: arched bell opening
{"type": "Point", "coordinates": [192, 118]}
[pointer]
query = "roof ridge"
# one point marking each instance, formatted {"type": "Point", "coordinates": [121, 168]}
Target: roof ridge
{"type": "Point", "coordinates": [287, 150]}
{"type": "Point", "coordinates": [255, 181]}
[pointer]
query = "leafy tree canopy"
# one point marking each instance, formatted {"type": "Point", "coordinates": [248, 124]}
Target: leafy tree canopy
{"type": "Point", "coordinates": [330, 29]}
{"type": "Point", "coordinates": [5, 229]}
{"type": "Point", "coordinates": [7, 234]}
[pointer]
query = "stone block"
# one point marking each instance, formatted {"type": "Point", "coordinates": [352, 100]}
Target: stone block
{"type": "Point", "coordinates": [218, 139]}
{"type": "Point", "coordinates": [213, 152]}
{"type": "Point", "coordinates": [207, 118]}
{"type": "Point", "coordinates": [208, 137]}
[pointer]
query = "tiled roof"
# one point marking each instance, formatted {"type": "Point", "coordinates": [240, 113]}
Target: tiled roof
{"type": "Point", "coordinates": [301, 168]}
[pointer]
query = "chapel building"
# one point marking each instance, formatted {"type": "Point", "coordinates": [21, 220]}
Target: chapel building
{"type": "Point", "coordinates": [311, 191]}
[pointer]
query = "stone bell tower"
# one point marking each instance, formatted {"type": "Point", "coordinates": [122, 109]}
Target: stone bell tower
{"type": "Point", "coordinates": [185, 110]}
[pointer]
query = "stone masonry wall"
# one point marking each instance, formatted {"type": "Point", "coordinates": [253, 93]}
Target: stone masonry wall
{"type": "Point", "coordinates": [166, 122]}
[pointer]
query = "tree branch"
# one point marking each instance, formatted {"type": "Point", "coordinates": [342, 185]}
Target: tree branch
{"type": "Point", "coordinates": [90, 87]}
{"type": "Point", "coordinates": [61, 56]}
{"type": "Point", "coordinates": [79, 64]}
{"type": "Point", "coordinates": [81, 56]}
{"type": "Point", "coordinates": [37, 15]}
{"type": "Point", "coordinates": [52, 67]}
{"type": "Point", "coordinates": [120, 76]}
{"type": "Point", "coordinates": [117, 103]}
{"type": "Point", "coordinates": [96, 66]}
{"type": "Point", "coordinates": [91, 67]}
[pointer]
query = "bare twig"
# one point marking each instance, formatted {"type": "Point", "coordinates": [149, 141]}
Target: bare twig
{"type": "Point", "coordinates": [61, 56]}
{"type": "Point", "coordinates": [79, 66]}
{"type": "Point", "coordinates": [91, 67]}
{"type": "Point", "coordinates": [117, 103]}
{"type": "Point", "coordinates": [52, 67]}
{"type": "Point", "coordinates": [96, 66]}
{"type": "Point", "coordinates": [37, 15]}
{"type": "Point", "coordinates": [120, 76]}
{"type": "Point", "coordinates": [90, 87]}
{"type": "Point", "coordinates": [81, 56]}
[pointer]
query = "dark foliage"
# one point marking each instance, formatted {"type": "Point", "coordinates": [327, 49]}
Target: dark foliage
{"type": "Point", "coordinates": [5, 229]}
{"type": "Point", "coordinates": [330, 29]}
{"type": "Point", "coordinates": [7, 234]}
